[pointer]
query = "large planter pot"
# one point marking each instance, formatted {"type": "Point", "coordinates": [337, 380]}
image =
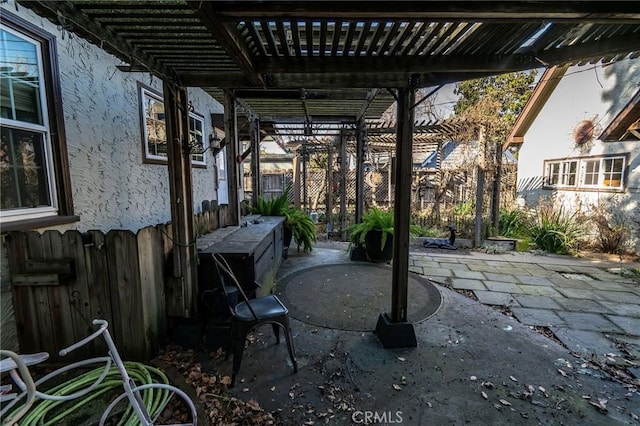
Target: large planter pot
{"type": "Point", "coordinates": [375, 251]}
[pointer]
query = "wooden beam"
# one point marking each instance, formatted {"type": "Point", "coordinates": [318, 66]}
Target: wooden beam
{"type": "Point", "coordinates": [402, 203]}
{"type": "Point", "coordinates": [360, 136]}
{"type": "Point", "coordinates": [400, 64]}
{"type": "Point", "coordinates": [367, 102]}
{"type": "Point", "coordinates": [182, 293]}
{"type": "Point", "coordinates": [592, 50]}
{"type": "Point", "coordinates": [234, 175]}
{"type": "Point", "coordinates": [256, 190]}
{"type": "Point", "coordinates": [478, 11]}
{"type": "Point", "coordinates": [227, 34]}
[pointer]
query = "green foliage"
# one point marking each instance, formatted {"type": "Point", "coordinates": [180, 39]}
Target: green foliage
{"type": "Point", "coordinates": [274, 206]}
{"type": "Point", "coordinates": [496, 101]}
{"type": "Point", "coordinates": [556, 231]}
{"type": "Point", "coordinates": [302, 228]}
{"type": "Point", "coordinates": [378, 219]}
{"type": "Point", "coordinates": [464, 209]}
{"type": "Point", "coordinates": [512, 223]}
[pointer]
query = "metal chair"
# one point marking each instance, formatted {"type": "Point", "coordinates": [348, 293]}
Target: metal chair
{"type": "Point", "coordinates": [249, 314]}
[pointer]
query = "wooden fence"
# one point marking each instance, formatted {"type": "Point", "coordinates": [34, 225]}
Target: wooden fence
{"type": "Point", "coordinates": [61, 281]}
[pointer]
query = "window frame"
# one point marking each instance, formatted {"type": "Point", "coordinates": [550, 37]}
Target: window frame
{"type": "Point", "coordinates": [199, 118]}
{"type": "Point", "coordinates": [55, 136]}
{"type": "Point", "coordinates": [561, 164]}
{"type": "Point", "coordinates": [145, 91]}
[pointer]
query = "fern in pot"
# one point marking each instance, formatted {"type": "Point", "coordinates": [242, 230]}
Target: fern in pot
{"type": "Point", "coordinates": [375, 234]}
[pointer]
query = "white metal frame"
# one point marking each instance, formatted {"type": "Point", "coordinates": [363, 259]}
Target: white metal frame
{"type": "Point", "coordinates": [17, 366]}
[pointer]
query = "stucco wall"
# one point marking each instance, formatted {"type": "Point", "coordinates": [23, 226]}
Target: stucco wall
{"type": "Point", "coordinates": [112, 187]}
{"type": "Point", "coordinates": [590, 92]}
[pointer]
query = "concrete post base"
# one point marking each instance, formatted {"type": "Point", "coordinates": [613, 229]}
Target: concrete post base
{"type": "Point", "coordinates": [395, 334]}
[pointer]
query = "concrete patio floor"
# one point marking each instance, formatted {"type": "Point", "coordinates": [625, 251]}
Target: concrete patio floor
{"type": "Point", "coordinates": [473, 364]}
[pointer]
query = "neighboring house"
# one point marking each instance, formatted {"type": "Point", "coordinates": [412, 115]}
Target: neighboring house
{"type": "Point", "coordinates": [83, 143]}
{"type": "Point", "coordinates": [579, 140]}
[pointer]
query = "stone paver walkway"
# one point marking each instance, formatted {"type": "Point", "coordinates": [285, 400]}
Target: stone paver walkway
{"type": "Point", "coordinates": [588, 308]}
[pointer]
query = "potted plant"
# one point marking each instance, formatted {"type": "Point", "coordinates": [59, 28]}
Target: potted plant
{"type": "Point", "coordinates": [297, 225]}
{"type": "Point", "coordinates": [375, 234]}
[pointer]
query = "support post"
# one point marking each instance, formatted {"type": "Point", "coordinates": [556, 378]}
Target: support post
{"type": "Point", "coordinates": [343, 185]}
{"type": "Point", "coordinates": [182, 289]}
{"type": "Point", "coordinates": [296, 180]}
{"type": "Point", "coordinates": [256, 184]}
{"type": "Point", "coordinates": [305, 161]}
{"type": "Point", "coordinates": [360, 140]}
{"type": "Point", "coordinates": [495, 195]}
{"type": "Point", "coordinates": [393, 330]}
{"type": "Point", "coordinates": [480, 188]}
{"type": "Point", "coordinates": [329, 213]}
{"type": "Point", "coordinates": [234, 174]}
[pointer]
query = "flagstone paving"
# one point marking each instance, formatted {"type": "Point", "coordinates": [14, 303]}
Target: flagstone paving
{"type": "Point", "coordinates": [581, 301]}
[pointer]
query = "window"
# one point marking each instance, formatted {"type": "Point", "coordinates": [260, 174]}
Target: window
{"type": "Point", "coordinates": [34, 174]}
{"type": "Point", "coordinates": [196, 126]}
{"type": "Point", "coordinates": [154, 130]}
{"type": "Point", "coordinates": [589, 173]}
{"type": "Point", "coordinates": [612, 173]}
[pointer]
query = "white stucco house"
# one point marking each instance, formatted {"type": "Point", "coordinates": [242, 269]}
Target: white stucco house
{"type": "Point", "coordinates": [578, 140]}
{"type": "Point", "coordinates": [83, 143]}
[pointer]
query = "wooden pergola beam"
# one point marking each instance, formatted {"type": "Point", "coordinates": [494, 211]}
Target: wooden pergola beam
{"type": "Point", "coordinates": [477, 11]}
{"type": "Point", "coordinates": [227, 35]}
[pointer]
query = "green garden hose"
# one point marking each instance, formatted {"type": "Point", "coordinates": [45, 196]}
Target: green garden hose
{"type": "Point", "coordinates": [154, 399]}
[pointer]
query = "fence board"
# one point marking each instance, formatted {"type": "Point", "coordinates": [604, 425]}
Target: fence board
{"type": "Point", "coordinates": [25, 306]}
{"type": "Point", "coordinates": [97, 268]}
{"type": "Point", "coordinates": [126, 300]}
{"type": "Point", "coordinates": [41, 297]}
{"type": "Point", "coordinates": [78, 291]}
{"type": "Point", "coordinates": [152, 265]}
{"type": "Point", "coordinates": [60, 301]}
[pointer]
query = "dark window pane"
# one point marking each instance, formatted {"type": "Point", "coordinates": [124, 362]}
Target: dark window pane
{"type": "Point", "coordinates": [23, 171]}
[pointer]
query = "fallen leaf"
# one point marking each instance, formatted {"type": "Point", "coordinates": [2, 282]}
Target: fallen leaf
{"type": "Point", "coordinates": [245, 389]}
{"type": "Point", "coordinates": [505, 402]}
{"type": "Point", "coordinates": [488, 385]}
{"type": "Point", "coordinates": [273, 388]}
{"type": "Point", "coordinates": [586, 396]}
{"type": "Point", "coordinates": [484, 395]}
{"type": "Point", "coordinates": [601, 405]}
{"type": "Point", "coordinates": [403, 379]}
{"type": "Point", "coordinates": [401, 359]}
{"type": "Point", "coordinates": [513, 378]}
{"type": "Point", "coordinates": [396, 387]}
{"type": "Point", "coordinates": [562, 372]}
{"type": "Point", "coordinates": [473, 378]}
{"type": "Point", "coordinates": [634, 416]}
{"type": "Point", "coordinates": [226, 380]}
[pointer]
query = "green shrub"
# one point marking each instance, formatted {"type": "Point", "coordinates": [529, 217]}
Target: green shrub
{"type": "Point", "coordinates": [556, 231]}
{"type": "Point", "coordinates": [512, 223]}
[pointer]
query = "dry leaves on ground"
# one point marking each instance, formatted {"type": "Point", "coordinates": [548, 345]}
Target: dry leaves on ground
{"type": "Point", "coordinates": [212, 392]}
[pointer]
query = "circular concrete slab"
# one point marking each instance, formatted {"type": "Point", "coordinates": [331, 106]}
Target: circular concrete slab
{"type": "Point", "coordinates": [352, 296]}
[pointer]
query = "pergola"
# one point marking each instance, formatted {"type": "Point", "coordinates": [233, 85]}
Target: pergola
{"type": "Point", "coordinates": [299, 63]}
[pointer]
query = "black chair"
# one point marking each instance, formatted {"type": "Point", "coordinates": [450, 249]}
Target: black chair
{"type": "Point", "coordinates": [249, 314]}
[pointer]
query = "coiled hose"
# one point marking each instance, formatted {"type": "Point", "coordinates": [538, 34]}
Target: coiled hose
{"type": "Point", "coordinates": [154, 399]}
